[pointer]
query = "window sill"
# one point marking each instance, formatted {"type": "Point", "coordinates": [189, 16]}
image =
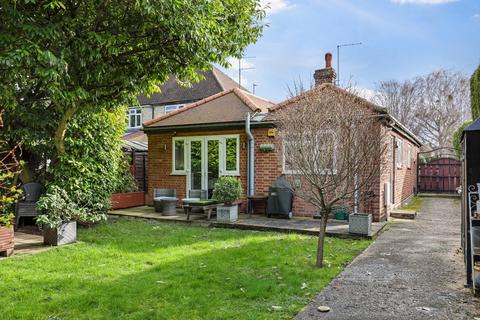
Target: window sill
{"type": "Point", "coordinates": [178, 173]}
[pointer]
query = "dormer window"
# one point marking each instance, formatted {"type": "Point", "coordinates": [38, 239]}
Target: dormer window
{"type": "Point", "coordinates": [134, 118]}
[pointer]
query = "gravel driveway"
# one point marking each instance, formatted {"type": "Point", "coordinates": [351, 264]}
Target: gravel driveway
{"type": "Point", "coordinates": [414, 270]}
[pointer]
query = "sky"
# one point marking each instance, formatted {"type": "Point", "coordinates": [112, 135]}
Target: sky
{"type": "Point", "coordinates": [400, 40]}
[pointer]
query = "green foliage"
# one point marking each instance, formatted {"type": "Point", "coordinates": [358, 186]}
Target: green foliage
{"type": "Point", "coordinates": [227, 189]}
{"type": "Point", "coordinates": [457, 136]}
{"type": "Point", "coordinates": [267, 147]}
{"type": "Point", "coordinates": [61, 57]}
{"type": "Point", "coordinates": [58, 207]}
{"type": "Point", "coordinates": [93, 161]}
{"type": "Point", "coordinates": [475, 93]}
{"type": "Point", "coordinates": [9, 169]}
{"type": "Point", "coordinates": [138, 270]}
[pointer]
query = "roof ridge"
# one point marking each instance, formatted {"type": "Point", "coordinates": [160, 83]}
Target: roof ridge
{"type": "Point", "coordinates": [187, 107]}
{"type": "Point", "coordinates": [214, 69]}
{"type": "Point", "coordinates": [258, 97]}
{"type": "Point", "coordinates": [246, 99]}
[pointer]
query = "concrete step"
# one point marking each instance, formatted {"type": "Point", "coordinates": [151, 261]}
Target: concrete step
{"type": "Point", "coordinates": [403, 214]}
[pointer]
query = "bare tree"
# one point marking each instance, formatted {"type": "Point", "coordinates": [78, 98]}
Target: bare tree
{"type": "Point", "coordinates": [333, 149]}
{"type": "Point", "coordinates": [444, 105]}
{"type": "Point", "coordinates": [431, 106]}
{"type": "Point", "coordinates": [401, 100]}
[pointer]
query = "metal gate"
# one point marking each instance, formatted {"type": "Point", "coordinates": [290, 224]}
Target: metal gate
{"type": "Point", "coordinates": [439, 171]}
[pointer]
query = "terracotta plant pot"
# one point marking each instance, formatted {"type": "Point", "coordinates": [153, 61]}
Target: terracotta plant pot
{"type": "Point", "coordinates": [128, 200]}
{"type": "Point", "coordinates": [7, 241]}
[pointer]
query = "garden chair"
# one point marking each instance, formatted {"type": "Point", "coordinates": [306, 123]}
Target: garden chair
{"type": "Point", "coordinates": [165, 201]}
{"type": "Point", "coordinates": [26, 207]}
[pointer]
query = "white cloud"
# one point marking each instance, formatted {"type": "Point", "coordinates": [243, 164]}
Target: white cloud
{"type": "Point", "coordinates": [423, 1]}
{"type": "Point", "coordinates": [274, 6]}
{"type": "Point", "coordinates": [476, 16]}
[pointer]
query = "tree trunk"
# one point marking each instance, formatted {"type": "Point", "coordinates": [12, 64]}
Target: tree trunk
{"type": "Point", "coordinates": [321, 237]}
{"type": "Point", "coordinates": [59, 138]}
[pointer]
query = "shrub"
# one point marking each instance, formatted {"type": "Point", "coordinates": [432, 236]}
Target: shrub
{"type": "Point", "coordinates": [93, 161]}
{"type": "Point", "coordinates": [9, 168]}
{"type": "Point", "coordinates": [475, 93]}
{"type": "Point", "coordinates": [227, 190]}
{"type": "Point", "coordinates": [457, 136]}
{"type": "Point", "coordinates": [58, 206]}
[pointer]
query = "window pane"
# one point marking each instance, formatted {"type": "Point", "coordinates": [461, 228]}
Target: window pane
{"type": "Point", "coordinates": [179, 155]}
{"type": "Point", "coordinates": [196, 164]}
{"type": "Point", "coordinates": [139, 121]}
{"type": "Point", "coordinates": [213, 165]}
{"type": "Point", "coordinates": [132, 122]}
{"type": "Point", "coordinates": [231, 152]}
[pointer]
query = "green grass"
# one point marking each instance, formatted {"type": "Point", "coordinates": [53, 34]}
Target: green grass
{"type": "Point", "coordinates": [137, 270]}
{"type": "Point", "coordinates": [413, 204]}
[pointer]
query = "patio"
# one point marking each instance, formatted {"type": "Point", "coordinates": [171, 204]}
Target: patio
{"type": "Point", "coordinates": [301, 225]}
{"type": "Point", "coordinates": [27, 243]}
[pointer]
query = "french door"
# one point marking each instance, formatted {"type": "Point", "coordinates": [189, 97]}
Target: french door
{"type": "Point", "coordinates": [203, 163]}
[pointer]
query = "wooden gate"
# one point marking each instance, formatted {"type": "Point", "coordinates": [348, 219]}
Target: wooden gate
{"type": "Point", "coordinates": [439, 171]}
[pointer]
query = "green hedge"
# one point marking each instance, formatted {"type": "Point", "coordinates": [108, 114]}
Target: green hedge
{"type": "Point", "coordinates": [475, 93]}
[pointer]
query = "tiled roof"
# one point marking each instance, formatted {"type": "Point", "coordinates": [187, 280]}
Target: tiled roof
{"type": "Point", "coordinates": [345, 93]}
{"type": "Point", "coordinates": [171, 92]}
{"type": "Point", "coordinates": [227, 106]}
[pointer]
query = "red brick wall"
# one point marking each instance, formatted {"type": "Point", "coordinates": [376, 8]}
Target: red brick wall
{"type": "Point", "coordinates": [268, 166]}
{"type": "Point", "coordinates": [405, 178]}
{"type": "Point", "coordinates": [160, 162]}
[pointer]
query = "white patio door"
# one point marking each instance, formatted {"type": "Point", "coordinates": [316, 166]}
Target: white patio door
{"type": "Point", "coordinates": [203, 163]}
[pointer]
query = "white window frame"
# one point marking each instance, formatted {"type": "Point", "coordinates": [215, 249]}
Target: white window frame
{"type": "Point", "coordinates": [409, 156]}
{"type": "Point", "coordinates": [223, 159]}
{"type": "Point", "coordinates": [399, 154]}
{"type": "Point", "coordinates": [324, 171]}
{"type": "Point", "coordinates": [134, 112]}
{"type": "Point", "coordinates": [173, 107]}
{"type": "Point", "coordinates": [222, 153]}
{"type": "Point", "coordinates": [184, 171]}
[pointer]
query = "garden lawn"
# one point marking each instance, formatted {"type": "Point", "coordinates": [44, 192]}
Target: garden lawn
{"type": "Point", "coordinates": [138, 270]}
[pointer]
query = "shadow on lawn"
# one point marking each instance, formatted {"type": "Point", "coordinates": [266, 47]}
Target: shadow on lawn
{"type": "Point", "coordinates": [241, 281]}
{"type": "Point", "coordinates": [139, 236]}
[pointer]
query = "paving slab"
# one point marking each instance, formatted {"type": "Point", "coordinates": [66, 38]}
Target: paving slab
{"type": "Point", "coordinates": [301, 225]}
{"type": "Point", "coordinates": [414, 270]}
{"type": "Point", "coordinates": [403, 214]}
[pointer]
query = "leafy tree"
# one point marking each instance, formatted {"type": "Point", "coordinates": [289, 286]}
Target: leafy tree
{"type": "Point", "coordinates": [59, 58]}
{"type": "Point", "coordinates": [475, 93]}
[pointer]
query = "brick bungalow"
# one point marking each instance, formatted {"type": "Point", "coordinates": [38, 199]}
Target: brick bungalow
{"type": "Point", "coordinates": [222, 135]}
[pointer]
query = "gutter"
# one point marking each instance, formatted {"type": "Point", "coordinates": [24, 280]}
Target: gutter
{"type": "Point", "coordinates": [250, 158]}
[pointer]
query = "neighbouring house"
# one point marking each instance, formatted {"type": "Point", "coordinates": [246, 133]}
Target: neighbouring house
{"type": "Point", "coordinates": [222, 134]}
{"type": "Point", "coordinates": [171, 97]}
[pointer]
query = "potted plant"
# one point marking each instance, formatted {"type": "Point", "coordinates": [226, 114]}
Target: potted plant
{"type": "Point", "coordinates": [59, 213]}
{"type": "Point", "coordinates": [226, 191]}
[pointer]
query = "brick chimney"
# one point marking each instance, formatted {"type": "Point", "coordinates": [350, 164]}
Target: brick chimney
{"type": "Point", "coordinates": [326, 75]}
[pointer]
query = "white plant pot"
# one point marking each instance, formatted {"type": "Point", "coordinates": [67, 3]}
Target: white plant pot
{"type": "Point", "coordinates": [65, 234]}
{"type": "Point", "coordinates": [360, 223]}
{"type": "Point", "coordinates": [227, 213]}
